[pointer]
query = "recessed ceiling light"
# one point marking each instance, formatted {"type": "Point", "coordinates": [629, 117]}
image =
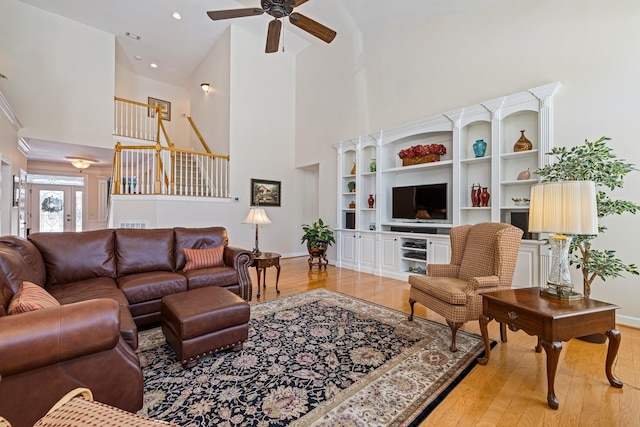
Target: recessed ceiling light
{"type": "Point", "coordinates": [176, 15]}
{"type": "Point", "coordinates": [153, 65]}
{"type": "Point", "coordinates": [132, 35]}
{"type": "Point", "coordinates": [138, 57]}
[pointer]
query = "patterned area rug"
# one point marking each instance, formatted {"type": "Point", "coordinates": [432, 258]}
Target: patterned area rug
{"type": "Point", "coordinates": [316, 358]}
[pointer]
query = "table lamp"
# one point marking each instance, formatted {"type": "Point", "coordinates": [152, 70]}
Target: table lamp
{"type": "Point", "coordinates": [563, 208]}
{"type": "Point", "coordinates": [258, 217]}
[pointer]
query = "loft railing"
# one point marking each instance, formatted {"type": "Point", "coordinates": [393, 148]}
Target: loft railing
{"type": "Point", "coordinates": [169, 171]}
{"type": "Point", "coordinates": [137, 120]}
{"type": "Point", "coordinates": [159, 169]}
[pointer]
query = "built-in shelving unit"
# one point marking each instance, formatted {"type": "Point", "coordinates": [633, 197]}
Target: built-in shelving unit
{"type": "Point", "coordinates": [499, 123]}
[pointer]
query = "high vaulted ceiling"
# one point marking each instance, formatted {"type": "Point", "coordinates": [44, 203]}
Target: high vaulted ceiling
{"type": "Point", "coordinates": [178, 46]}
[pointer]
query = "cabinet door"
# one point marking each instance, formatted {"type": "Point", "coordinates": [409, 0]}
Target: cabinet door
{"type": "Point", "coordinates": [526, 274]}
{"type": "Point", "coordinates": [439, 251]}
{"type": "Point", "coordinates": [389, 253]}
{"type": "Point", "coordinates": [368, 251]}
{"type": "Point", "coordinates": [348, 250]}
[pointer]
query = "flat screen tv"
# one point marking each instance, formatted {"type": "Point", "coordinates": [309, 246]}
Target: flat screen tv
{"type": "Point", "coordinates": [422, 202]}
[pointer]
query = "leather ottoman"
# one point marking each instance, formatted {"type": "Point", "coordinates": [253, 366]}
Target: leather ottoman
{"type": "Point", "coordinates": [202, 321]}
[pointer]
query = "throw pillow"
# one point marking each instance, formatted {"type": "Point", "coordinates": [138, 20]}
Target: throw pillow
{"type": "Point", "coordinates": [203, 258]}
{"type": "Point", "coordinates": [31, 297]}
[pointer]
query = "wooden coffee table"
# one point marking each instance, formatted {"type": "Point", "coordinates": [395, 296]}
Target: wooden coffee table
{"type": "Point", "coordinates": [553, 321]}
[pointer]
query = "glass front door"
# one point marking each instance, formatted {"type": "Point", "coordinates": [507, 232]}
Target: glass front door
{"type": "Point", "coordinates": [56, 208]}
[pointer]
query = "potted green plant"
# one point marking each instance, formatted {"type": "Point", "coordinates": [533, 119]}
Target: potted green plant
{"type": "Point", "coordinates": [318, 236]}
{"type": "Point", "coordinates": [593, 161]}
{"type": "Point", "coordinates": [352, 186]}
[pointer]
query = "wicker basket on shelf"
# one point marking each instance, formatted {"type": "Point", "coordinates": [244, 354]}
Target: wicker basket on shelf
{"type": "Point", "coordinates": [428, 158]}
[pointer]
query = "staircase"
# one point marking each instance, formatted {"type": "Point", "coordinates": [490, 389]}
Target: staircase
{"type": "Point", "coordinates": [189, 178]}
{"type": "Point", "coordinates": [156, 166]}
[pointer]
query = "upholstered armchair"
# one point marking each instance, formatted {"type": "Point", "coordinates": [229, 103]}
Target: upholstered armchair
{"type": "Point", "coordinates": [483, 258]}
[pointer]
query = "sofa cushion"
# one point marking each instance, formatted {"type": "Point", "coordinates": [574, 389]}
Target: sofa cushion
{"type": "Point", "coordinates": [30, 254]}
{"type": "Point", "coordinates": [31, 297]}
{"type": "Point", "coordinates": [214, 276]}
{"type": "Point", "coordinates": [197, 238]}
{"type": "Point", "coordinates": [139, 251]}
{"type": "Point", "coordinates": [61, 253]}
{"type": "Point", "coordinates": [203, 258]}
{"type": "Point", "coordinates": [82, 290]}
{"type": "Point", "coordinates": [151, 285]}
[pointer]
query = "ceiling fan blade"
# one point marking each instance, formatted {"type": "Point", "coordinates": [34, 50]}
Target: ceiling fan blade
{"type": "Point", "coordinates": [299, 2]}
{"type": "Point", "coordinates": [273, 36]}
{"type": "Point", "coordinates": [234, 13]}
{"type": "Point", "coordinates": [312, 27]}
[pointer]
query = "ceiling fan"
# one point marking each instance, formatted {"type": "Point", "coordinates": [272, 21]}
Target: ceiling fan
{"type": "Point", "coordinates": [278, 9]}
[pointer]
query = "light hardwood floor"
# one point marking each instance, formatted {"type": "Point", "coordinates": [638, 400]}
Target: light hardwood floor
{"type": "Point", "coordinates": [511, 390]}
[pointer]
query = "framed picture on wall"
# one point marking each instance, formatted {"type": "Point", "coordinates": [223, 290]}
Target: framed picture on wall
{"type": "Point", "coordinates": [165, 105]}
{"type": "Point", "coordinates": [265, 193]}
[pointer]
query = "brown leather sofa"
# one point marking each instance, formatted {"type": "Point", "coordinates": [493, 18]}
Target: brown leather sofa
{"type": "Point", "coordinates": [109, 283]}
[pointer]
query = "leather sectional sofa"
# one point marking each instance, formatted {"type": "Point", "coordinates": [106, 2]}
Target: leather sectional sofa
{"type": "Point", "coordinates": [109, 283]}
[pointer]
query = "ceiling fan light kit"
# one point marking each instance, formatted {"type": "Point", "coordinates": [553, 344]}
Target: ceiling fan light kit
{"type": "Point", "coordinates": [278, 9]}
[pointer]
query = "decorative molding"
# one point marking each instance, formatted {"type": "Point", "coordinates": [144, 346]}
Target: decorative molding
{"type": "Point", "coordinates": [23, 146]}
{"type": "Point", "coordinates": [8, 111]}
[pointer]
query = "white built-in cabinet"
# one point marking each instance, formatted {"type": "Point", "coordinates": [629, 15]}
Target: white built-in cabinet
{"type": "Point", "coordinates": [370, 240]}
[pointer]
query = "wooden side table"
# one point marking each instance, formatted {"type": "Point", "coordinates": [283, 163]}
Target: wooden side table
{"type": "Point", "coordinates": [261, 263]}
{"type": "Point", "coordinates": [553, 321]}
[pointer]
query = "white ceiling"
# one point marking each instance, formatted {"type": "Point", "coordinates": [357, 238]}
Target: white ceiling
{"type": "Point", "coordinates": [177, 47]}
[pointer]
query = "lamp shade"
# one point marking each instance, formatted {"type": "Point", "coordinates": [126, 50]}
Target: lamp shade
{"type": "Point", "coordinates": [566, 207]}
{"type": "Point", "coordinates": [257, 216]}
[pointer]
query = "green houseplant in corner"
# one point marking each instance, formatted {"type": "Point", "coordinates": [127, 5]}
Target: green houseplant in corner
{"type": "Point", "coordinates": [594, 161]}
{"type": "Point", "coordinates": [318, 236]}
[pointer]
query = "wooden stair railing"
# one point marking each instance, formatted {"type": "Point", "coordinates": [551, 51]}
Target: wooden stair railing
{"type": "Point", "coordinates": [146, 169]}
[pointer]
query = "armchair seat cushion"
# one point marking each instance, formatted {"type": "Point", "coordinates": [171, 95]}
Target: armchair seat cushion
{"type": "Point", "coordinates": [447, 289]}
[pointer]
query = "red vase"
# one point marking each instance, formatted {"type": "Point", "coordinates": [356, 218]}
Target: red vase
{"type": "Point", "coordinates": [484, 197]}
{"type": "Point", "coordinates": [475, 195]}
{"type": "Point", "coordinates": [371, 201]}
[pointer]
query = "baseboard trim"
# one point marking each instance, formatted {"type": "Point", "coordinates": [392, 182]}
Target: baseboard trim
{"type": "Point", "coordinates": [634, 322]}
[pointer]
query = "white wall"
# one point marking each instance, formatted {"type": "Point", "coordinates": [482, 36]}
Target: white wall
{"type": "Point", "coordinates": [136, 88]}
{"type": "Point", "coordinates": [11, 162]}
{"type": "Point", "coordinates": [210, 111]}
{"type": "Point", "coordinates": [421, 70]}
{"type": "Point", "coordinates": [60, 75]}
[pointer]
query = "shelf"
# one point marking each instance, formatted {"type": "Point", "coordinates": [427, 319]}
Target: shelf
{"type": "Point", "coordinates": [368, 173]}
{"type": "Point", "coordinates": [520, 182]}
{"type": "Point", "coordinates": [432, 165]}
{"type": "Point", "coordinates": [476, 208]}
{"type": "Point", "coordinates": [519, 154]}
{"type": "Point", "coordinates": [413, 259]}
{"type": "Point", "coordinates": [473, 160]}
